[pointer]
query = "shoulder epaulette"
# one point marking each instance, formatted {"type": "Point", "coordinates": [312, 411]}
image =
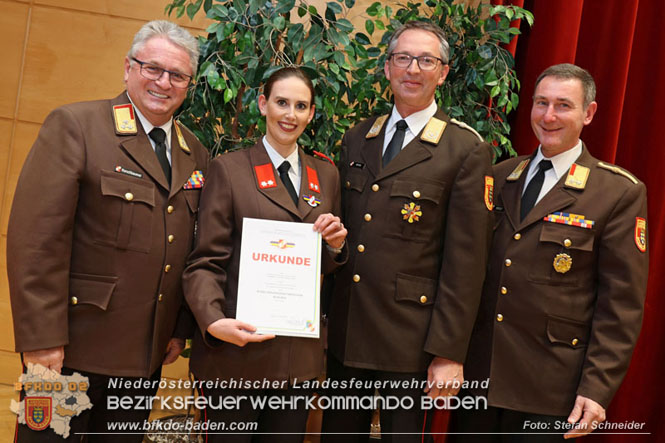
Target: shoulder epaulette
{"type": "Point", "coordinates": [376, 127]}
{"type": "Point", "coordinates": [465, 126]}
{"type": "Point", "coordinates": [322, 156]}
{"type": "Point", "coordinates": [618, 170]}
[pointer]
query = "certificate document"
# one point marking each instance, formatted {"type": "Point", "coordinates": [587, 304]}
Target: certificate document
{"type": "Point", "coordinates": [279, 280]}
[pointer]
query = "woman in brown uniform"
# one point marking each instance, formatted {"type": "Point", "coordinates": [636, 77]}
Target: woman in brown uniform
{"type": "Point", "coordinates": [253, 183]}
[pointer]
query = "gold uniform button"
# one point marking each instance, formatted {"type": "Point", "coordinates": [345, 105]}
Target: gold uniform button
{"type": "Point", "coordinates": [161, 296]}
{"type": "Point", "coordinates": [499, 317]}
{"type": "Point", "coordinates": [129, 196]}
{"type": "Point", "coordinates": [347, 184]}
{"type": "Point", "coordinates": [74, 300]}
{"type": "Point", "coordinates": [361, 248]}
{"type": "Point", "coordinates": [574, 342]}
{"type": "Point", "coordinates": [508, 262]}
{"type": "Point", "coordinates": [356, 278]}
{"type": "Point", "coordinates": [517, 236]}
{"type": "Point", "coordinates": [504, 290]}
{"type": "Point", "coordinates": [167, 268]}
{"type": "Point", "coordinates": [171, 238]}
{"type": "Point", "coordinates": [567, 243]}
{"type": "Point", "coordinates": [423, 299]}
{"type": "Point", "coordinates": [368, 217]}
{"type": "Point", "coordinates": [170, 209]}
{"type": "Point", "coordinates": [416, 194]}
{"type": "Point", "coordinates": [375, 187]}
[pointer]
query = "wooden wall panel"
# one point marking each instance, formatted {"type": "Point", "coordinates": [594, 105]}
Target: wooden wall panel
{"type": "Point", "coordinates": [81, 61]}
{"type": "Point", "coordinates": [6, 324]}
{"type": "Point", "coordinates": [6, 126]}
{"type": "Point", "coordinates": [13, 21]}
{"type": "Point", "coordinates": [144, 10]}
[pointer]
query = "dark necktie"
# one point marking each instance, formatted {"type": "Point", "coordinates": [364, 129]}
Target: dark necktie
{"type": "Point", "coordinates": [288, 184]}
{"type": "Point", "coordinates": [533, 189]}
{"type": "Point", "coordinates": [158, 135]}
{"type": "Point", "coordinates": [395, 144]}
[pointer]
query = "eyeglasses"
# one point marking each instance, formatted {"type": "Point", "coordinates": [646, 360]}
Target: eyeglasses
{"type": "Point", "coordinates": [152, 72]}
{"type": "Point", "coordinates": [425, 62]}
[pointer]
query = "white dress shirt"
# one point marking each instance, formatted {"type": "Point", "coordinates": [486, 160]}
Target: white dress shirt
{"type": "Point", "coordinates": [293, 159]}
{"type": "Point", "coordinates": [415, 121]}
{"type": "Point", "coordinates": [561, 163]}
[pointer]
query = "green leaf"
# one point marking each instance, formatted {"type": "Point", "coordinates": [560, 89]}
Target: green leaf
{"type": "Point", "coordinates": [334, 7]}
{"type": "Point", "coordinates": [228, 95]}
{"type": "Point", "coordinates": [362, 38]}
{"type": "Point", "coordinates": [349, 3]}
{"type": "Point", "coordinates": [193, 8]}
{"type": "Point", "coordinates": [369, 26]}
{"type": "Point", "coordinates": [344, 25]}
{"type": "Point", "coordinates": [339, 58]}
{"type": "Point", "coordinates": [284, 6]}
{"type": "Point", "coordinates": [279, 22]}
{"type": "Point", "coordinates": [373, 9]}
{"type": "Point", "coordinates": [380, 25]}
{"type": "Point", "coordinates": [334, 68]}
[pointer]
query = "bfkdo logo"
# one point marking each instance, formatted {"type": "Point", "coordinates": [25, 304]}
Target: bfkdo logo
{"type": "Point", "coordinates": [38, 412]}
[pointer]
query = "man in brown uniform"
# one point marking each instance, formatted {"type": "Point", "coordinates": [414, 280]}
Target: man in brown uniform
{"type": "Point", "coordinates": [563, 299]}
{"type": "Point", "coordinates": [417, 204]}
{"type": "Point", "coordinates": [103, 219]}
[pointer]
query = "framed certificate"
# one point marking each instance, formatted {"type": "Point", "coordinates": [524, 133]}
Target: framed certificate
{"type": "Point", "coordinates": [280, 277]}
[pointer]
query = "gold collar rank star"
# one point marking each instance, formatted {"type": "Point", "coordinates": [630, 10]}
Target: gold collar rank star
{"type": "Point", "coordinates": [411, 212]}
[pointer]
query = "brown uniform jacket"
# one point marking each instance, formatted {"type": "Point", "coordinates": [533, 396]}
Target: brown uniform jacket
{"type": "Point", "coordinates": [89, 261]}
{"type": "Point", "coordinates": [232, 192]}
{"type": "Point", "coordinates": [410, 291]}
{"type": "Point", "coordinates": [543, 336]}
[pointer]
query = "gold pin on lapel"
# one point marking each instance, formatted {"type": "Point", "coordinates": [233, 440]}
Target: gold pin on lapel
{"type": "Point", "coordinates": [376, 127]}
{"type": "Point", "coordinates": [433, 131]}
{"type": "Point", "coordinates": [517, 172]}
{"type": "Point", "coordinates": [577, 177]}
{"type": "Point", "coordinates": [181, 139]}
{"type": "Point", "coordinates": [124, 119]}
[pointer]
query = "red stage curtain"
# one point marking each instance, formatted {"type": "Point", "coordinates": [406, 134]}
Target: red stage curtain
{"type": "Point", "coordinates": [621, 43]}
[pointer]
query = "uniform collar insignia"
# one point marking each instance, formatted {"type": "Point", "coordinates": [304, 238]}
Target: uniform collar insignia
{"type": "Point", "coordinates": [181, 139]}
{"type": "Point", "coordinates": [577, 177]}
{"type": "Point", "coordinates": [433, 131]}
{"type": "Point", "coordinates": [517, 172]}
{"type": "Point", "coordinates": [313, 180]}
{"type": "Point", "coordinates": [376, 127]}
{"type": "Point", "coordinates": [265, 176]}
{"type": "Point", "coordinates": [124, 119]}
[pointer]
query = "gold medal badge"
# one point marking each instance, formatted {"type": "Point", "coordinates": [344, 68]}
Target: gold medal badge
{"type": "Point", "coordinates": [411, 212]}
{"type": "Point", "coordinates": [562, 263]}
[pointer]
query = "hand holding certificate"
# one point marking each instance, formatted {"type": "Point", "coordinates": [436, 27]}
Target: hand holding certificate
{"type": "Point", "coordinates": [279, 279]}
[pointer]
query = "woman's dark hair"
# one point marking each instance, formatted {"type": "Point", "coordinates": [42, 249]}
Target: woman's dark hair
{"type": "Point", "coordinates": [287, 72]}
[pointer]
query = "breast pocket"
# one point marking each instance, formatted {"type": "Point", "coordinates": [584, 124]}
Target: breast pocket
{"type": "Point", "coordinates": [130, 203]}
{"type": "Point", "coordinates": [564, 256]}
{"type": "Point", "coordinates": [414, 207]}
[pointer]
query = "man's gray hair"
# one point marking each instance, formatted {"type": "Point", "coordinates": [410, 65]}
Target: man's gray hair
{"type": "Point", "coordinates": [174, 33]}
{"type": "Point", "coordinates": [566, 71]}
{"type": "Point", "coordinates": [424, 26]}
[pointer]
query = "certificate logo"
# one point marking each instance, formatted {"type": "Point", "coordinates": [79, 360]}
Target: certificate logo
{"type": "Point", "coordinates": [282, 244]}
{"type": "Point", "coordinates": [37, 412]}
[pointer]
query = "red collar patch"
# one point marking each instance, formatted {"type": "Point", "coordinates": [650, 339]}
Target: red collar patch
{"type": "Point", "coordinates": [313, 180]}
{"type": "Point", "coordinates": [265, 176]}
